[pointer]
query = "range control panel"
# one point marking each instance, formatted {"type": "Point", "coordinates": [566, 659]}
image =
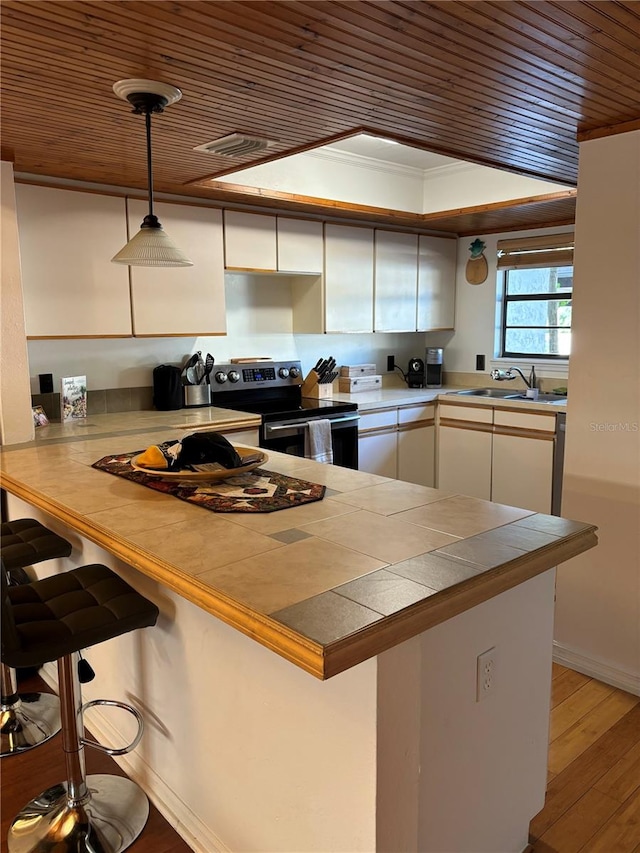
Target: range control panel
{"type": "Point", "coordinates": [255, 375]}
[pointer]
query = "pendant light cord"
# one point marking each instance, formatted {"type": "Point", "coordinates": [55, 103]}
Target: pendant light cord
{"type": "Point", "coordinates": [147, 117]}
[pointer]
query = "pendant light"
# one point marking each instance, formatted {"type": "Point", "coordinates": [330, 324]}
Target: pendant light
{"type": "Point", "coordinates": [151, 246]}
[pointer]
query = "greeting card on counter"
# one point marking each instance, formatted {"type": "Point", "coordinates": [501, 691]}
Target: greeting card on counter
{"type": "Point", "coordinates": [73, 397]}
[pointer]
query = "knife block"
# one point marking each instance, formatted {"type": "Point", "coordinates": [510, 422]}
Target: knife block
{"type": "Point", "coordinates": [311, 387]}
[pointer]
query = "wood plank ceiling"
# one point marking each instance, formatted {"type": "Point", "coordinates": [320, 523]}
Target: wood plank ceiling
{"type": "Point", "coordinates": [506, 84]}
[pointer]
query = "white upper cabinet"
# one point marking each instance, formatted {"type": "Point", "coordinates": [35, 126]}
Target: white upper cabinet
{"type": "Point", "coordinates": [167, 301]}
{"type": "Point", "coordinates": [300, 245]}
{"type": "Point", "coordinates": [348, 276]}
{"type": "Point", "coordinates": [396, 281]}
{"type": "Point", "coordinates": [436, 282]}
{"type": "Point", "coordinates": [250, 241]}
{"type": "Point", "coordinates": [67, 240]}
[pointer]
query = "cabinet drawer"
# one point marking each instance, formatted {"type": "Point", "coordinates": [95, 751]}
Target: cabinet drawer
{"type": "Point", "coordinates": [412, 414]}
{"type": "Point", "coordinates": [477, 414]}
{"type": "Point", "coordinates": [378, 420]}
{"type": "Point", "coordinates": [525, 420]}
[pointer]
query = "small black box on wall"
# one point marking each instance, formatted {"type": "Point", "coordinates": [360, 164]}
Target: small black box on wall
{"type": "Point", "coordinates": [46, 383]}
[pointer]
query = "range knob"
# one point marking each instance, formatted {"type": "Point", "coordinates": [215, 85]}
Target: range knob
{"type": "Point", "coordinates": [221, 377]}
{"type": "Point", "coordinates": [294, 372]}
{"type": "Point", "coordinates": [234, 376]}
{"type": "Point", "coordinates": [283, 372]}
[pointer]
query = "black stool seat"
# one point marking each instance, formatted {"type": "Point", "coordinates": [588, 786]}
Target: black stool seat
{"type": "Point", "coordinates": [56, 616]}
{"type": "Point", "coordinates": [26, 541]}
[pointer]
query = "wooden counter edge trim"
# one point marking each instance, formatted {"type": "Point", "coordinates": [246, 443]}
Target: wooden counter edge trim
{"type": "Point", "coordinates": [322, 662]}
{"type": "Point", "coordinates": [294, 647]}
{"type": "Point", "coordinates": [408, 623]}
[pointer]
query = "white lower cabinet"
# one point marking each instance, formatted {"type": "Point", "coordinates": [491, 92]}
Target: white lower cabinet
{"type": "Point", "coordinates": [416, 444]}
{"type": "Point", "coordinates": [464, 461]}
{"type": "Point", "coordinates": [378, 443]}
{"type": "Point", "coordinates": [399, 443]}
{"type": "Point", "coordinates": [496, 454]}
{"type": "Point", "coordinates": [378, 453]}
{"type": "Point", "coordinates": [522, 459]}
{"type": "Point", "coordinates": [522, 472]}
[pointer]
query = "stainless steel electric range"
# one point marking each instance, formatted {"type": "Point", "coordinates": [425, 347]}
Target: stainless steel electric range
{"type": "Point", "coordinates": [273, 389]}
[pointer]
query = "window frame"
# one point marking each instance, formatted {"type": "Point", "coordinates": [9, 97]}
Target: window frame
{"type": "Point", "coordinates": [541, 251]}
{"type": "Point", "coordinates": [529, 297]}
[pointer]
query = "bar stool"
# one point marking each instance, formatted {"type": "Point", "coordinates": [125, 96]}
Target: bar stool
{"type": "Point", "coordinates": [26, 719]}
{"type": "Point", "coordinates": [52, 619]}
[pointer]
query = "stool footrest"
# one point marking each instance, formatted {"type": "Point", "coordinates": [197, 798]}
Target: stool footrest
{"type": "Point", "coordinates": [112, 703]}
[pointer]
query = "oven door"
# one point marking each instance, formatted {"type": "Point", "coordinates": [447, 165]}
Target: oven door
{"type": "Point", "coordinates": [288, 437]}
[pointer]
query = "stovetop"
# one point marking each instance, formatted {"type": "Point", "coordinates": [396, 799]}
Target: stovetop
{"type": "Point", "coordinates": [272, 389]}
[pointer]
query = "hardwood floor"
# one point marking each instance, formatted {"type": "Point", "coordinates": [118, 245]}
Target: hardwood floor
{"type": "Point", "coordinates": [593, 795]}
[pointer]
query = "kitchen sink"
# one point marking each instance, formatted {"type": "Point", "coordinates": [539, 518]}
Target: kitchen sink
{"type": "Point", "coordinates": [542, 398]}
{"type": "Point", "coordinates": [500, 393]}
{"type": "Point", "coordinates": [507, 394]}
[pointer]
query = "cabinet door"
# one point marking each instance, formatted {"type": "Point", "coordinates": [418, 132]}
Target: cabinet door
{"type": "Point", "coordinates": [416, 455]}
{"type": "Point", "coordinates": [464, 461]}
{"type": "Point", "coordinates": [250, 241]}
{"type": "Point", "coordinates": [522, 472]}
{"type": "Point", "coordinates": [436, 282]}
{"type": "Point", "coordinates": [67, 240]}
{"type": "Point", "coordinates": [300, 245]}
{"type": "Point", "coordinates": [181, 300]}
{"type": "Point", "coordinates": [377, 453]}
{"type": "Point", "coordinates": [396, 281]}
{"type": "Point", "coordinates": [348, 278]}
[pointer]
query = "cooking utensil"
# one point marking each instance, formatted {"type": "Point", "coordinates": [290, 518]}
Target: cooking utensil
{"type": "Point", "coordinates": [188, 375]}
{"type": "Point", "coordinates": [208, 366]}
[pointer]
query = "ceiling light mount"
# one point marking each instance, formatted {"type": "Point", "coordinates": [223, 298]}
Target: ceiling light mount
{"type": "Point", "coordinates": [151, 247]}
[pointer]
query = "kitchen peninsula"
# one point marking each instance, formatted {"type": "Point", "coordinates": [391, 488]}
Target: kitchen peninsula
{"type": "Point", "coordinates": [385, 591]}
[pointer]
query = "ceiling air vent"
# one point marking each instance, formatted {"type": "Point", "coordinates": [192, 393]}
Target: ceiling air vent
{"type": "Point", "coordinates": [234, 145]}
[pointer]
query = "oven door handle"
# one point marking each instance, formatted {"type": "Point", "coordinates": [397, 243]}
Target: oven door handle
{"type": "Point", "coordinates": [269, 428]}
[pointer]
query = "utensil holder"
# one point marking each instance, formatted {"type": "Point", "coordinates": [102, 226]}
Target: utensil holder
{"type": "Point", "coordinates": [196, 396]}
{"type": "Point", "coordinates": [311, 387]}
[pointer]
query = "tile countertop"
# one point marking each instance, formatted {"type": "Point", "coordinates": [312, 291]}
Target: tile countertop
{"type": "Point", "coordinates": [325, 585]}
{"type": "Point", "coordinates": [385, 398]}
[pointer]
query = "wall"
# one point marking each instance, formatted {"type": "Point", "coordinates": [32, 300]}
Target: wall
{"type": "Point", "coordinates": [476, 318]}
{"type": "Point", "coordinates": [16, 421]}
{"type": "Point", "coordinates": [340, 176]}
{"type": "Point", "coordinates": [598, 594]}
{"type": "Point", "coordinates": [467, 185]}
{"type": "Point", "coordinates": [362, 180]}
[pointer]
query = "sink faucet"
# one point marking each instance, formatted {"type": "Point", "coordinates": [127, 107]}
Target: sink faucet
{"type": "Point", "coordinates": [509, 373]}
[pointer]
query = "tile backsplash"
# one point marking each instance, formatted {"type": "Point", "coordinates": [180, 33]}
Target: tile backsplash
{"type": "Point", "coordinates": [100, 402]}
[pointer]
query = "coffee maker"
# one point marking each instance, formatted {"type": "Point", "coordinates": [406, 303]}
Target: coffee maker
{"type": "Point", "coordinates": [415, 373]}
{"type": "Point", "coordinates": [434, 367]}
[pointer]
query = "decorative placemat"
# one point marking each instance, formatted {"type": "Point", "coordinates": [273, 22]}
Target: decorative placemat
{"type": "Point", "coordinates": [256, 491]}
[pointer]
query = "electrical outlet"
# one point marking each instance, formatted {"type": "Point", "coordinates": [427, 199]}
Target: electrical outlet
{"type": "Point", "coordinates": [486, 674]}
{"type": "Point", "coordinates": [391, 360]}
{"type": "Point", "coordinates": [479, 362]}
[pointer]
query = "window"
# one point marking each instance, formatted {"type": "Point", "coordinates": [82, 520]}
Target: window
{"type": "Point", "coordinates": [538, 286]}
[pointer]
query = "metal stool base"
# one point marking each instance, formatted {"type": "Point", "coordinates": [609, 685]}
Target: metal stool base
{"type": "Point", "coordinates": [28, 722]}
{"type": "Point", "coordinates": [109, 821]}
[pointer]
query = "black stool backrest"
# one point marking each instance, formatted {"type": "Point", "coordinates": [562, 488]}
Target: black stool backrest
{"type": "Point", "coordinates": [10, 638]}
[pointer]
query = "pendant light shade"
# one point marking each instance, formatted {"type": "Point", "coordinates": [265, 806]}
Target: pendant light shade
{"type": "Point", "coordinates": [151, 246]}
